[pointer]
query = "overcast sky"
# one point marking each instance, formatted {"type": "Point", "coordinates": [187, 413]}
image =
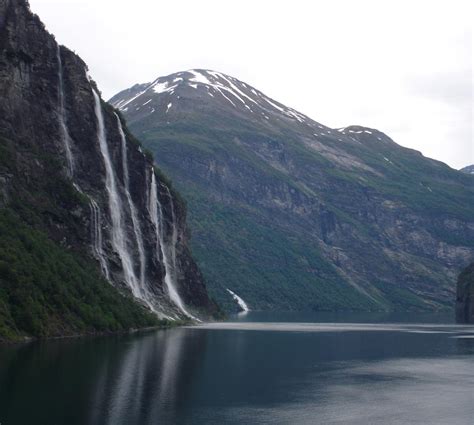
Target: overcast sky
{"type": "Point", "coordinates": [403, 67]}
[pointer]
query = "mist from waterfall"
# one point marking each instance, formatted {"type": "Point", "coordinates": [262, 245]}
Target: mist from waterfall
{"type": "Point", "coordinates": [65, 136]}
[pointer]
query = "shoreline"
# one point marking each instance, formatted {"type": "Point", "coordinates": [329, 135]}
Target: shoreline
{"type": "Point", "coordinates": [31, 339]}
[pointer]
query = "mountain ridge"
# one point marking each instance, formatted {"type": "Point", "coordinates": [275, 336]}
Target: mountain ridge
{"type": "Point", "coordinates": [339, 192]}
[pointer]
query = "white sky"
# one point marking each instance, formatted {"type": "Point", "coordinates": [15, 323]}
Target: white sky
{"type": "Point", "coordinates": [403, 67]}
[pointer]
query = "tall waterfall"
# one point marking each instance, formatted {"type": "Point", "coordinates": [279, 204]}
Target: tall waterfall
{"type": "Point", "coordinates": [156, 213]}
{"type": "Point", "coordinates": [119, 236]}
{"type": "Point", "coordinates": [65, 136]}
{"type": "Point", "coordinates": [133, 210]}
{"type": "Point", "coordinates": [174, 234]}
{"type": "Point", "coordinates": [96, 230]}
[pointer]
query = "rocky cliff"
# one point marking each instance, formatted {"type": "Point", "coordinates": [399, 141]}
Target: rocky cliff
{"type": "Point", "coordinates": [465, 296]}
{"type": "Point", "coordinates": [289, 213]}
{"type": "Point", "coordinates": [75, 182]}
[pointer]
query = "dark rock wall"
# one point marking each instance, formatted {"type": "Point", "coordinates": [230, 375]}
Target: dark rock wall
{"type": "Point", "coordinates": [30, 116]}
{"type": "Point", "coordinates": [465, 296]}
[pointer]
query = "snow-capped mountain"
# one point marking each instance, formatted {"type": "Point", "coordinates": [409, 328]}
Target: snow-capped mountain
{"type": "Point", "coordinates": [226, 92]}
{"type": "Point", "coordinates": [290, 213]}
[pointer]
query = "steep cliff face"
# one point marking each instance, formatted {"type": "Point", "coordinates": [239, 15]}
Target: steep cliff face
{"type": "Point", "coordinates": [465, 296]}
{"type": "Point", "coordinates": [70, 169]}
{"type": "Point", "coordinates": [289, 213]}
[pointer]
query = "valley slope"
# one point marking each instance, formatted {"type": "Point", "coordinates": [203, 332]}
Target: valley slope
{"type": "Point", "coordinates": [291, 214]}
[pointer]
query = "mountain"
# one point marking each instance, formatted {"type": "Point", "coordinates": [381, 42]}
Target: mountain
{"type": "Point", "coordinates": [288, 213]}
{"type": "Point", "coordinates": [468, 170]}
{"type": "Point", "coordinates": [92, 237]}
{"type": "Point", "coordinates": [465, 296]}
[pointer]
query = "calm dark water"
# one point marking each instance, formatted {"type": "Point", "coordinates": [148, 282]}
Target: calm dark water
{"type": "Point", "coordinates": [259, 369]}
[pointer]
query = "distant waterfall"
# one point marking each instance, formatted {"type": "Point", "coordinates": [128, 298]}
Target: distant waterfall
{"type": "Point", "coordinates": [65, 137]}
{"type": "Point", "coordinates": [135, 221]}
{"type": "Point", "coordinates": [96, 230]}
{"type": "Point", "coordinates": [242, 304]}
{"type": "Point", "coordinates": [156, 213]}
{"type": "Point", "coordinates": [119, 236]}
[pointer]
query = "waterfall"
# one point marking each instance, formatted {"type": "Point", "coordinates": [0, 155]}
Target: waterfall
{"type": "Point", "coordinates": [65, 137]}
{"type": "Point", "coordinates": [174, 234]}
{"type": "Point", "coordinates": [135, 221]}
{"type": "Point", "coordinates": [156, 213]}
{"type": "Point", "coordinates": [96, 234]}
{"type": "Point", "coordinates": [118, 231]}
{"type": "Point", "coordinates": [242, 304]}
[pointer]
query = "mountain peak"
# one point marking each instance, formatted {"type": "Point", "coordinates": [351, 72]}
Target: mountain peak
{"type": "Point", "coordinates": [342, 205]}
{"type": "Point", "coordinates": [211, 88]}
{"type": "Point", "coordinates": [468, 170]}
{"type": "Point", "coordinates": [206, 82]}
{"type": "Point", "coordinates": [216, 91]}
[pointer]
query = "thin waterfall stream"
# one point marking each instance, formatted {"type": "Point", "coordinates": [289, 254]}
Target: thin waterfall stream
{"type": "Point", "coordinates": [65, 136]}
{"type": "Point", "coordinates": [156, 213]}
{"type": "Point", "coordinates": [96, 230]}
{"type": "Point", "coordinates": [133, 211]}
{"type": "Point", "coordinates": [118, 231]}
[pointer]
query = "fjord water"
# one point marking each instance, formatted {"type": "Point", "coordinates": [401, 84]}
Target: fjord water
{"type": "Point", "coordinates": [259, 369]}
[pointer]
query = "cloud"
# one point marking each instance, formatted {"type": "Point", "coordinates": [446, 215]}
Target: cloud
{"type": "Point", "coordinates": [454, 88]}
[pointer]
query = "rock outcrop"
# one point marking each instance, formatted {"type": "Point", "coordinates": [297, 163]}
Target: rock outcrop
{"type": "Point", "coordinates": [465, 296]}
{"type": "Point", "coordinates": [70, 169]}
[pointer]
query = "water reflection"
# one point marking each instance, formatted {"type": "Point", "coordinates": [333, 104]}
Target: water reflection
{"type": "Point", "coordinates": [149, 381]}
{"type": "Point", "coordinates": [241, 373]}
{"type": "Point", "coordinates": [114, 380]}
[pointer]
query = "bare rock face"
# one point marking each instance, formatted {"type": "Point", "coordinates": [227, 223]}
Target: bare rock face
{"type": "Point", "coordinates": [292, 214]}
{"type": "Point", "coordinates": [465, 296]}
{"type": "Point", "coordinates": [74, 172]}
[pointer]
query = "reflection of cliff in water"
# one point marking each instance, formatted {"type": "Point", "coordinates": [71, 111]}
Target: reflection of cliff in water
{"type": "Point", "coordinates": [148, 380]}
{"type": "Point", "coordinates": [141, 378]}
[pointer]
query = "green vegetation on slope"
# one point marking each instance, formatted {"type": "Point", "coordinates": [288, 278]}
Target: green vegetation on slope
{"type": "Point", "coordinates": [46, 290]}
{"type": "Point", "coordinates": [291, 214]}
{"type": "Point", "coordinates": [244, 249]}
{"type": "Point", "coordinates": [287, 269]}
